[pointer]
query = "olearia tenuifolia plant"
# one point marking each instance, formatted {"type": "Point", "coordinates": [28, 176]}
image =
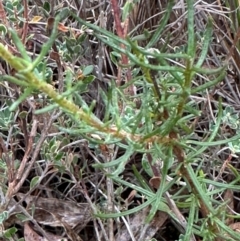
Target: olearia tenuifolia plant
{"type": "Point", "coordinates": [158, 127]}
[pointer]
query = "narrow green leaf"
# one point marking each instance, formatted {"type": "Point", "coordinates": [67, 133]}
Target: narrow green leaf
{"type": "Point", "coordinates": [45, 47]}
{"type": "Point", "coordinates": [14, 80]}
{"type": "Point", "coordinates": [156, 36]}
{"type": "Point", "coordinates": [27, 92]}
{"type": "Point", "coordinates": [127, 8]}
{"type": "Point", "coordinates": [160, 191]}
{"type": "Point", "coordinates": [46, 109]}
{"type": "Point", "coordinates": [21, 48]}
{"type": "Point", "coordinates": [191, 32]}
{"type": "Point", "coordinates": [121, 161]}
{"type": "Point", "coordinates": [209, 84]}
{"type": "Point", "coordinates": [203, 195]}
{"type": "Point", "coordinates": [140, 179]}
{"type": "Point", "coordinates": [206, 42]}
{"type": "Point", "coordinates": [191, 216]}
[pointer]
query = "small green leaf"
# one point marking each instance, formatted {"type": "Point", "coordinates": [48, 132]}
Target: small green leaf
{"type": "Point", "coordinates": [9, 6]}
{"type": "Point", "coordinates": [3, 216]}
{"type": "Point", "coordinates": [34, 182]}
{"type": "Point", "coordinates": [58, 157]}
{"type": "Point", "coordinates": [3, 29]}
{"type": "Point", "coordinates": [88, 70]}
{"type": "Point", "coordinates": [23, 115]}
{"type": "Point", "coordinates": [12, 19]}
{"type": "Point", "coordinates": [10, 232]}
{"type": "Point", "coordinates": [22, 217]}
{"type": "Point", "coordinates": [15, 3]}
{"type": "Point", "coordinates": [46, 6]}
{"type": "Point", "coordinates": [77, 49]}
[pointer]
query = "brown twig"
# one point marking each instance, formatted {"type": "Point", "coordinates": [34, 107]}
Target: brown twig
{"type": "Point", "coordinates": [25, 25]}
{"type": "Point", "coordinates": [3, 15]}
{"type": "Point", "coordinates": [18, 180]}
{"type": "Point", "coordinates": [25, 167]}
{"type": "Point", "coordinates": [23, 125]}
{"type": "Point", "coordinates": [28, 151]}
{"type": "Point", "coordinates": [116, 14]}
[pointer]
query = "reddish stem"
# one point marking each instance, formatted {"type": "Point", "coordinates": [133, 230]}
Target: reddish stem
{"type": "Point", "coordinates": [122, 33]}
